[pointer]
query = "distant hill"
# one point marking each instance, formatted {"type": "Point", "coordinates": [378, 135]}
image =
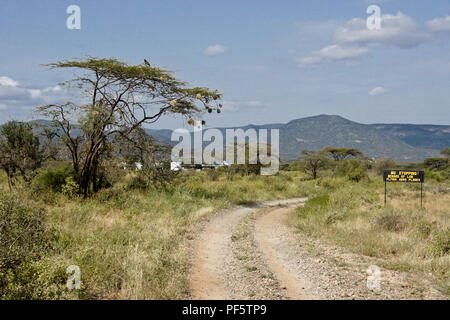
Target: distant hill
{"type": "Point", "coordinates": [419, 135]}
{"type": "Point", "coordinates": [324, 131]}
{"type": "Point", "coordinates": [402, 142]}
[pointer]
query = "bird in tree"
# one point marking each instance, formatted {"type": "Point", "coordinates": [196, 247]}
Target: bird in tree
{"type": "Point", "coordinates": [121, 99]}
{"type": "Point", "coordinates": [147, 63]}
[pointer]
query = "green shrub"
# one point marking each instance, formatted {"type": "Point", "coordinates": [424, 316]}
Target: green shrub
{"type": "Point", "coordinates": [24, 241]}
{"type": "Point", "coordinates": [440, 245]}
{"type": "Point", "coordinates": [384, 164]}
{"type": "Point", "coordinates": [70, 188]}
{"type": "Point", "coordinates": [138, 182]}
{"type": "Point", "coordinates": [156, 177]}
{"type": "Point", "coordinates": [353, 169]}
{"type": "Point", "coordinates": [424, 228]}
{"type": "Point", "coordinates": [439, 176]}
{"type": "Point", "coordinates": [436, 163]}
{"type": "Point", "coordinates": [53, 179]}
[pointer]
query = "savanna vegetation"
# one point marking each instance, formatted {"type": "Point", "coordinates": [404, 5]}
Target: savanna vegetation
{"type": "Point", "coordinates": [131, 239]}
{"type": "Point", "coordinates": [347, 209]}
{"type": "Point", "coordinates": [67, 199]}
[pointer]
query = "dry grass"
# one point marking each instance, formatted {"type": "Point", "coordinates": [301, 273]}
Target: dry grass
{"type": "Point", "coordinates": [402, 236]}
{"type": "Point", "coordinates": [131, 244]}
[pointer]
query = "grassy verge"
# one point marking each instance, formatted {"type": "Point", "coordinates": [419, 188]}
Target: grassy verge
{"type": "Point", "coordinates": [402, 236]}
{"type": "Point", "coordinates": [130, 244]}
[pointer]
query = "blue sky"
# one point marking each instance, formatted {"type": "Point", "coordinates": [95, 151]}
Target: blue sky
{"type": "Point", "coordinates": [274, 61]}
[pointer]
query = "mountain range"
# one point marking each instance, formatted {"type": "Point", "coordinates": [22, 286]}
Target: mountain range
{"type": "Point", "coordinates": [401, 142]}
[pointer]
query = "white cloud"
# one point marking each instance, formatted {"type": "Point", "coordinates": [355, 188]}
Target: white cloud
{"type": "Point", "coordinates": [8, 82]}
{"type": "Point", "coordinates": [309, 60]}
{"type": "Point", "coordinates": [254, 103]}
{"type": "Point", "coordinates": [397, 30]}
{"type": "Point", "coordinates": [242, 105]}
{"type": "Point", "coordinates": [377, 91]}
{"type": "Point", "coordinates": [15, 96]}
{"type": "Point", "coordinates": [353, 39]}
{"type": "Point", "coordinates": [337, 52]}
{"type": "Point", "coordinates": [439, 24]}
{"type": "Point", "coordinates": [215, 50]}
{"type": "Point", "coordinates": [35, 93]}
{"type": "Point", "coordinates": [333, 53]}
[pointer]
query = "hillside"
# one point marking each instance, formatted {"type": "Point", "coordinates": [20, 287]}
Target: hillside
{"type": "Point", "coordinates": [323, 131]}
{"type": "Point", "coordinates": [402, 142]}
{"type": "Point", "coordinates": [408, 143]}
{"type": "Point", "coordinates": [419, 135]}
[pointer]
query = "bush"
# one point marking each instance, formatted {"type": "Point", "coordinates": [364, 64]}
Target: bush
{"type": "Point", "coordinates": [138, 182]}
{"type": "Point", "coordinates": [70, 188]}
{"type": "Point", "coordinates": [383, 164]}
{"type": "Point", "coordinates": [424, 228]}
{"type": "Point", "coordinates": [436, 163]}
{"type": "Point", "coordinates": [439, 176]}
{"type": "Point", "coordinates": [155, 177]}
{"type": "Point", "coordinates": [53, 179]}
{"type": "Point", "coordinates": [440, 245]}
{"type": "Point", "coordinates": [353, 169]}
{"type": "Point", "coordinates": [390, 221]}
{"type": "Point", "coordinates": [24, 240]}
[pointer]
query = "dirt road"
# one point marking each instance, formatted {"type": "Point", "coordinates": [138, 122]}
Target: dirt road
{"type": "Point", "coordinates": [249, 252]}
{"type": "Point", "coordinates": [214, 254]}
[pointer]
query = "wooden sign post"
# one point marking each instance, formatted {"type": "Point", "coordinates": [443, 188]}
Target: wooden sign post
{"type": "Point", "coordinates": [404, 176]}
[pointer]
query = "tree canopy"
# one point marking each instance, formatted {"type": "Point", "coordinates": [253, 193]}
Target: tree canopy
{"type": "Point", "coordinates": [314, 160]}
{"type": "Point", "coordinates": [339, 154]}
{"type": "Point", "coordinates": [120, 99]}
{"type": "Point", "coordinates": [20, 151]}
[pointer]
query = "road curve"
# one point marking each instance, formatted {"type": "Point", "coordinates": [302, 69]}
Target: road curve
{"type": "Point", "coordinates": [213, 250]}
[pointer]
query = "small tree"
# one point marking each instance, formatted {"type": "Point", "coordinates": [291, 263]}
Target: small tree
{"type": "Point", "coordinates": [446, 153]}
{"type": "Point", "coordinates": [338, 154]}
{"type": "Point", "coordinates": [353, 169]}
{"type": "Point", "coordinates": [121, 98]}
{"type": "Point", "coordinates": [20, 151]}
{"type": "Point", "coordinates": [384, 164]}
{"type": "Point", "coordinates": [314, 161]}
{"type": "Point", "coordinates": [436, 163]}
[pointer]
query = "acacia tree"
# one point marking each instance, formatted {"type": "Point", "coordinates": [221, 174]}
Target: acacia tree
{"type": "Point", "coordinates": [121, 98]}
{"type": "Point", "coordinates": [314, 160]}
{"type": "Point", "coordinates": [339, 154]}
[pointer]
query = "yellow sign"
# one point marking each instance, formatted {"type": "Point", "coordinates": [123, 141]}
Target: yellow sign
{"type": "Point", "coordinates": [403, 176]}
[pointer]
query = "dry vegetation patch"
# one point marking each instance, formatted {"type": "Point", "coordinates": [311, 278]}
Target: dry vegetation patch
{"type": "Point", "coordinates": [401, 236]}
